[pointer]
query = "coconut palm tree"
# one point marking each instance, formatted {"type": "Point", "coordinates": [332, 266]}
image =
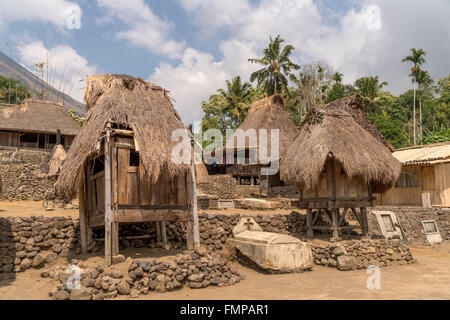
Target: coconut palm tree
{"type": "Point", "coordinates": [237, 99]}
{"type": "Point", "coordinates": [277, 67]}
{"type": "Point", "coordinates": [417, 58]}
{"type": "Point", "coordinates": [369, 87]}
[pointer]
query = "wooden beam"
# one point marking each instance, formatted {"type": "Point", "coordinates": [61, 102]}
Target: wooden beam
{"type": "Point", "coordinates": [365, 227]}
{"type": "Point", "coordinates": [309, 224]}
{"type": "Point", "coordinates": [83, 218]}
{"type": "Point", "coordinates": [195, 227]}
{"type": "Point", "coordinates": [134, 216]}
{"type": "Point", "coordinates": [163, 233]}
{"type": "Point", "coordinates": [108, 218]}
{"type": "Point", "coordinates": [335, 227]}
{"type": "Point", "coordinates": [158, 231]}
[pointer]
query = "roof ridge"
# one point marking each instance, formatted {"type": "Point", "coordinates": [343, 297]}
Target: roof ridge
{"type": "Point", "coordinates": [430, 145]}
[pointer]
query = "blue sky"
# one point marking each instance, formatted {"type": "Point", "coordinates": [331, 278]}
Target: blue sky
{"type": "Point", "coordinates": [191, 47]}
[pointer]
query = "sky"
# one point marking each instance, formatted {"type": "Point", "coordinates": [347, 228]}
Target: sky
{"type": "Point", "coordinates": [191, 47]}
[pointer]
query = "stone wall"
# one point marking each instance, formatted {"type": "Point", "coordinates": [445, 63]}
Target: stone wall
{"type": "Point", "coordinates": [410, 220]}
{"type": "Point", "coordinates": [223, 186]}
{"type": "Point", "coordinates": [27, 242]}
{"type": "Point", "coordinates": [355, 254]}
{"type": "Point", "coordinates": [22, 178]}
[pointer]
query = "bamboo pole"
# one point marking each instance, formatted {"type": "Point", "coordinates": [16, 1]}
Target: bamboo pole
{"type": "Point", "coordinates": [83, 220]}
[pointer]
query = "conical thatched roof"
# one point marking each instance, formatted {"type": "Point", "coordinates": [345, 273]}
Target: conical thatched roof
{"type": "Point", "coordinates": [267, 113]}
{"type": "Point", "coordinates": [353, 105]}
{"type": "Point", "coordinates": [144, 107]}
{"type": "Point", "coordinates": [334, 133]}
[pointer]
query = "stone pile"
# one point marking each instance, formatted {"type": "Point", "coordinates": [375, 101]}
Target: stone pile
{"type": "Point", "coordinates": [31, 242]}
{"type": "Point", "coordinates": [223, 186]}
{"type": "Point", "coordinates": [195, 270]}
{"type": "Point", "coordinates": [356, 254]}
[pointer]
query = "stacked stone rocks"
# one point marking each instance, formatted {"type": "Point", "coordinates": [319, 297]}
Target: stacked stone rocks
{"type": "Point", "coordinates": [199, 269]}
{"type": "Point", "coordinates": [410, 219]}
{"type": "Point", "coordinates": [223, 186]}
{"type": "Point", "coordinates": [27, 242]}
{"type": "Point", "coordinates": [356, 254]}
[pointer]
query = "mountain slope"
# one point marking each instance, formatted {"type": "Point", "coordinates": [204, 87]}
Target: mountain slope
{"type": "Point", "coordinates": [11, 69]}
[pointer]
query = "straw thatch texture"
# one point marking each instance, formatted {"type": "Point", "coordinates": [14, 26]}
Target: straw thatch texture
{"type": "Point", "coordinates": [353, 105]}
{"type": "Point", "coordinates": [38, 116]}
{"type": "Point", "coordinates": [334, 133]}
{"type": "Point", "coordinates": [267, 113]}
{"type": "Point", "coordinates": [144, 107]}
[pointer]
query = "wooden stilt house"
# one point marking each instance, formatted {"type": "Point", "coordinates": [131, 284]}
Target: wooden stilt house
{"type": "Point", "coordinates": [337, 165]}
{"type": "Point", "coordinates": [120, 163]}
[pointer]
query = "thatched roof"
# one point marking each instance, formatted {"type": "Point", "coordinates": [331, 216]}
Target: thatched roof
{"type": "Point", "coordinates": [38, 116]}
{"type": "Point", "coordinates": [267, 113]}
{"type": "Point", "coordinates": [427, 154]}
{"type": "Point", "coordinates": [144, 107]}
{"type": "Point", "coordinates": [334, 133]}
{"type": "Point", "coordinates": [353, 105]}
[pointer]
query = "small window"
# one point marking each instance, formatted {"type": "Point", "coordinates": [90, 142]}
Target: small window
{"type": "Point", "coordinates": [409, 178]}
{"type": "Point", "coordinates": [134, 158]}
{"type": "Point", "coordinates": [52, 138]}
{"type": "Point", "coordinates": [28, 137]}
{"type": "Point", "coordinates": [430, 226]}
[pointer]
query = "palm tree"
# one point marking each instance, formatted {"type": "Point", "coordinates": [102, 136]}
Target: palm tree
{"type": "Point", "coordinates": [237, 99]}
{"type": "Point", "coordinates": [277, 67]}
{"type": "Point", "coordinates": [337, 77]}
{"type": "Point", "coordinates": [417, 59]}
{"type": "Point", "coordinates": [424, 81]}
{"type": "Point", "coordinates": [369, 87]}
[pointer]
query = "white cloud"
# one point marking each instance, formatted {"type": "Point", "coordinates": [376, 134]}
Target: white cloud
{"type": "Point", "coordinates": [54, 11]}
{"type": "Point", "coordinates": [67, 69]}
{"type": "Point", "coordinates": [145, 28]}
{"type": "Point", "coordinates": [198, 75]}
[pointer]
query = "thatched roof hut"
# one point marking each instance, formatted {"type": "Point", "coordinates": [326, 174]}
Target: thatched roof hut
{"type": "Point", "coordinates": [38, 116]}
{"type": "Point", "coordinates": [267, 113]}
{"type": "Point", "coordinates": [353, 105]}
{"type": "Point", "coordinates": [334, 133]}
{"type": "Point", "coordinates": [144, 107]}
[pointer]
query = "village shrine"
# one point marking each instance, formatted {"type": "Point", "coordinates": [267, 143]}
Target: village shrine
{"type": "Point", "coordinates": [120, 163]}
{"type": "Point", "coordinates": [337, 165]}
{"type": "Point", "coordinates": [266, 114]}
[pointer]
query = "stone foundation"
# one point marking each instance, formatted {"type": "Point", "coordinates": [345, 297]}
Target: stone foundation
{"type": "Point", "coordinates": [356, 254]}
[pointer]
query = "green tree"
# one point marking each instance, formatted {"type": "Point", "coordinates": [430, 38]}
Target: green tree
{"type": "Point", "coordinates": [11, 91]}
{"type": "Point", "coordinates": [277, 67]}
{"type": "Point", "coordinates": [237, 99]}
{"type": "Point", "coordinates": [369, 88]}
{"type": "Point", "coordinates": [417, 58]}
{"type": "Point", "coordinates": [75, 116]}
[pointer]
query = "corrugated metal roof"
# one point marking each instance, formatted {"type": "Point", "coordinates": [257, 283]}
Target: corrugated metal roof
{"type": "Point", "coordinates": [426, 154]}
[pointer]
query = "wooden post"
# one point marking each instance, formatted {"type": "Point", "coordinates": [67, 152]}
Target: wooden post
{"type": "Point", "coordinates": [163, 233]}
{"type": "Point", "coordinates": [114, 222]}
{"type": "Point", "coordinates": [365, 224]}
{"type": "Point", "coordinates": [83, 218]}
{"type": "Point", "coordinates": [108, 218]}
{"type": "Point", "coordinates": [58, 136]}
{"type": "Point", "coordinates": [158, 231]}
{"type": "Point", "coordinates": [309, 229]}
{"type": "Point", "coordinates": [335, 228]}
{"type": "Point", "coordinates": [195, 227]}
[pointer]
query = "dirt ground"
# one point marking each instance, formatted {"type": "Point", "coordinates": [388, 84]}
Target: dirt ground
{"type": "Point", "coordinates": [32, 208]}
{"type": "Point", "coordinates": [429, 278]}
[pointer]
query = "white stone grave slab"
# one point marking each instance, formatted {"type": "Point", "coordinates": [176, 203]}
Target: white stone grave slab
{"type": "Point", "coordinates": [389, 226]}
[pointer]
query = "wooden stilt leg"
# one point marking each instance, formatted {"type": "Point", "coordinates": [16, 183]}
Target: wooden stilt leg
{"type": "Point", "coordinates": [163, 233]}
{"type": "Point", "coordinates": [108, 218]}
{"type": "Point", "coordinates": [365, 224]}
{"type": "Point", "coordinates": [309, 230]}
{"type": "Point", "coordinates": [158, 232]}
{"type": "Point", "coordinates": [195, 226]}
{"type": "Point", "coordinates": [114, 239]}
{"type": "Point", "coordinates": [334, 221]}
{"type": "Point", "coordinates": [83, 218]}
